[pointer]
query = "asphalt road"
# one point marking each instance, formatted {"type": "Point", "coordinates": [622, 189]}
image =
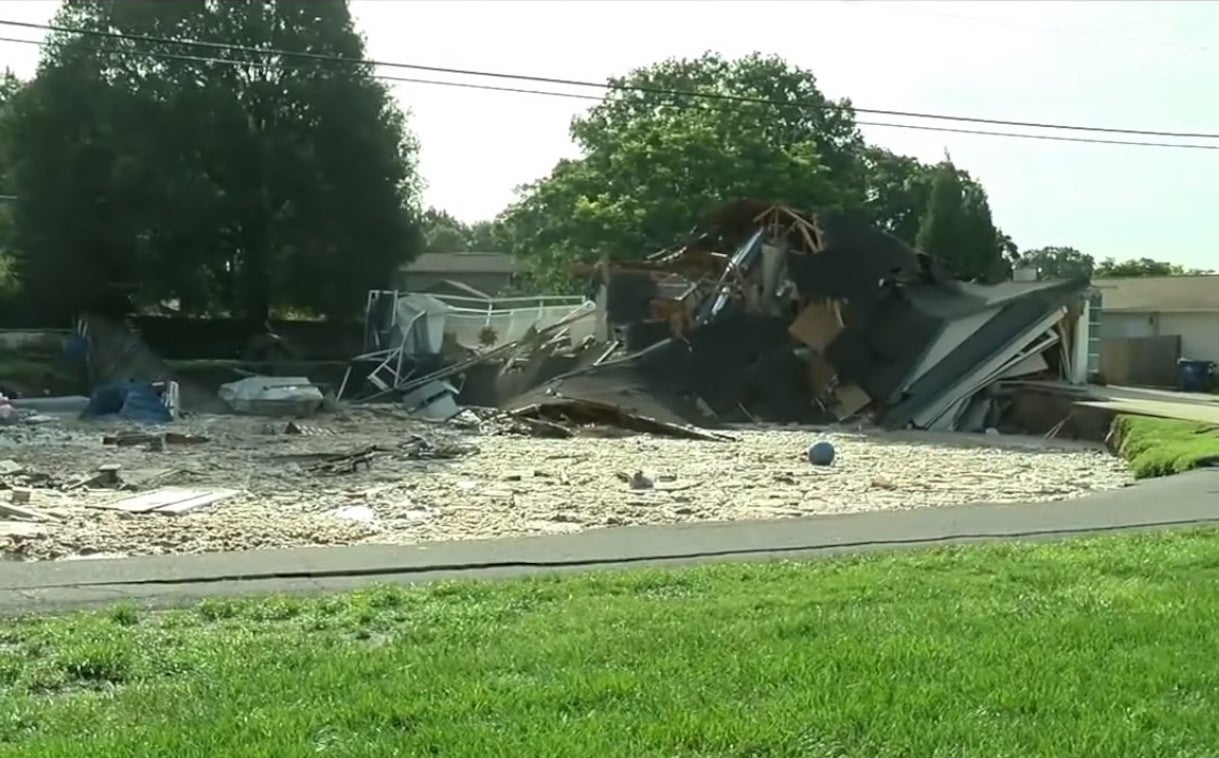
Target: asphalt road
{"type": "Point", "coordinates": [164, 581]}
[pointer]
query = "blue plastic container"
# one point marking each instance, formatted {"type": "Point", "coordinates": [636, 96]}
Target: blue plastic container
{"type": "Point", "coordinates": [1196, 376]}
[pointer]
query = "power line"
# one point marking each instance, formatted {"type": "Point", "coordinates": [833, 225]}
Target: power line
{"type": "Point", "coordinates": [599, 98]}
{"type": "Point", "coordinates": [605, 86]}
{"type": "Point", "coordinates": [920, 127]}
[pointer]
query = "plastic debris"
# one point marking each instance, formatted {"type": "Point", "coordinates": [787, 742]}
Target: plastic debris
{"type": "Point", "coordinates": [821, 453]}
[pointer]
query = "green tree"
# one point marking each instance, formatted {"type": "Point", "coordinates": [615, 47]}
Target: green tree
{"type": "Point", "coordinates": [1143, 267]}
{"type": "Point", "coordinates": [940, 228]}
{"type": "Point", "coordinates": [654, 164]}
{"type": "Point", "coordinates": [1058, 262]}
{"type": "Point", "coordinates": [897, 193]}
{"type": "Point", "coordinates": [486, 237]}
{"type": "Point", "coordinates": [10, 86]}
{"type": "Point", "coordinates": [958, 229]}
{"type": "Point", "coordinates": [443, 233]}
{"type": "Point", "coordinates": [242, 184]}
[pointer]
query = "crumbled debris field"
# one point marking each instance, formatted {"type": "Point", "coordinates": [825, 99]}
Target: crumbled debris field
{"type": "Point", "coordinates": [673, 391]}
{"type": "Point", "coordinates": [377, 475]}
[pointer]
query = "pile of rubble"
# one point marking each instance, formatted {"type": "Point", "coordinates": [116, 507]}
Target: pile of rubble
{"type": "Point", "coordinates": [771, 316]}
{"type": "Point", "coordinates": [777, 315]}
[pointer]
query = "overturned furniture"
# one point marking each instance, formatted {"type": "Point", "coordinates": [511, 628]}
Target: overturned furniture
{"type": "Point", "coordinates": [272, 396]}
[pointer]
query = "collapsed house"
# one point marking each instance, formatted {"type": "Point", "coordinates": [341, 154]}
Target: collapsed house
{"type": "Point", "coordinates": [777, 315]}
{"type": "Point", "coordinates": [769, 314]}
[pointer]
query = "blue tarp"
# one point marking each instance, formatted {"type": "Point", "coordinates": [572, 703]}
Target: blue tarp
{"type": "Point", "coordinates": [132, 401]}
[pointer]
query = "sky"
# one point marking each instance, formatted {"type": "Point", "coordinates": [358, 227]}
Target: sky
{"type": "Point", "coordinates": [1134, 65]}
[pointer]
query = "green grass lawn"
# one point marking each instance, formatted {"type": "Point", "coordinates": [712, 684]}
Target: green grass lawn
{"type": "Point", "coordinates": [31, 372]}
{"type": "Point", "coordinates": [1159, 446]}
{"type": "Point", "coordinates": [1105, 647]}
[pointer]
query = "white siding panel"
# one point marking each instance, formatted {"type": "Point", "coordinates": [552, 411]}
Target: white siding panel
{"type": "Point", "coordinates": [1127, 324]}
{"type": "Point", "coordinates": [1199, 333]}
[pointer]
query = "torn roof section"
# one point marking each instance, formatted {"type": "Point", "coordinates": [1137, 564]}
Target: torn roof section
{"type": "Point", "coordinates": [973, 350]}
{"type": "Point", "coordinates": [917, 342]}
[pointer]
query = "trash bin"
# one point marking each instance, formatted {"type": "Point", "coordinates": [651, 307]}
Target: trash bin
{"type": "Point", "coordinates": [1196, 376]}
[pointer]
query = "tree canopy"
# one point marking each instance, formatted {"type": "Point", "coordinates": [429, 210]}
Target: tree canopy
{"type": "Point", "coordinates": [957, 228]}
{"type": "Point", "coordinates": [654, 163]}
{"type": "Point", "coordinates": [1143, 267]}
{"type": "Point", "coordinates": [242, 182]}
{"type": "Point", "coordinates": [442, 233]}
{"type": "Point", "coordinates": [10, 86]}
{"type": "Point", "coordinates": [230, 182]}
{"type": "Point", "coordinates": [1056, 262]}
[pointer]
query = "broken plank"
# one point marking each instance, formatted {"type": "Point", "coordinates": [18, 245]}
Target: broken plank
{"type": "Point", "coordinates": [678, 486]}
{"type": "Point", "coordinates": [1182, 411]}
{"type": "Point", "coordinates": [175, 438]}
{"type": "Point", "coordinates": [543, 428]}
{"type": "Point", "coordinates": [16, 511]}
{"type": "Point", "coordinates": [195, 503]}
{"type": "Point", "coordinates": [150, 501]}
{"type": "Point", "coordinates": [21, 529]}
{"type": "Point", "coordinates": [577, 412]}
{"type": "Point", "coordinates": [347, 463]}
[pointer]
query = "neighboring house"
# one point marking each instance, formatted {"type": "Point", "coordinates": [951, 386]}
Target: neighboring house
{"type": "Point", "coordinates": [1163, 306]}
{"type": "Point", "coordinates": [485, 272]}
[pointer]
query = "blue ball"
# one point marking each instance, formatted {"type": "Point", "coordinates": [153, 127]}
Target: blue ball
{"type": "Point", "coordinates": [821, 454]}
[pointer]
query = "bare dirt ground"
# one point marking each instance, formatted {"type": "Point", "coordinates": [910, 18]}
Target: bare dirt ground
{"type": "Point", "coordinates": [501, 486]}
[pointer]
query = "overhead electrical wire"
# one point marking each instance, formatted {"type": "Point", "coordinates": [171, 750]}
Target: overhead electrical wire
{"type": "Point", "coordinates": [224, 46]}
{"type": "Point", "coordinates": [689, 95]}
